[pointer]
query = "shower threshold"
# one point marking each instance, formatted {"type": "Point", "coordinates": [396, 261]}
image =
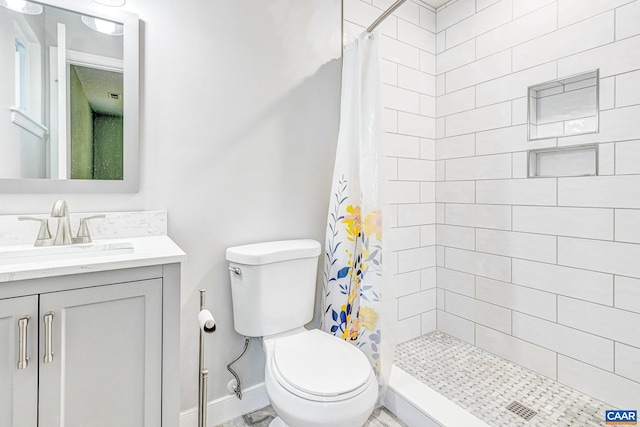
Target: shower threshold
{"type": "Point", "coordinates": [438, 380]}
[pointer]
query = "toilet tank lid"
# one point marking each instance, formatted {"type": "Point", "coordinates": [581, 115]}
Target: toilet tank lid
{"type": "Point", "coordinates": [268, 252]}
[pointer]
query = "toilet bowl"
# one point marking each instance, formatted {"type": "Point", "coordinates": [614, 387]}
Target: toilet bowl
{"type": "Point", "coordinates": [313, 379]}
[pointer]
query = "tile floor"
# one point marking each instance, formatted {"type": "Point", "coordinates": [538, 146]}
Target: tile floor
{"type": "Point", "coordinates": [485, 384]}
{"type": "Point", "coordinates": [262, 418]}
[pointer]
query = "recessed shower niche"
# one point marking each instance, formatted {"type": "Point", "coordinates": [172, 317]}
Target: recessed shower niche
{"type": "Point", "coordinates": [580, 160]}
{"type": "Point", "coordinates": [564, 107]}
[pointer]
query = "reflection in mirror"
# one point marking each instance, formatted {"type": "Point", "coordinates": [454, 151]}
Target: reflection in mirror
{"type": "Point", "coordinates": [71, 81]}
{"type": "Point", "coordinates": [95, 98]}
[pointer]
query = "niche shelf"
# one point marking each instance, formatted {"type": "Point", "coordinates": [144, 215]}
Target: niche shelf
{"type": "Point", "coordinates": [564, 107]}
{"type": "Point", "coordinates": [579, 160]}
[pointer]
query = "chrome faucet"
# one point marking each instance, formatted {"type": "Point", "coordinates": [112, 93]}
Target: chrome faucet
{"type": "Point", "coordinates": [63, 235]}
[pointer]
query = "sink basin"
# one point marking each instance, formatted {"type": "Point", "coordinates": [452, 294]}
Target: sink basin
{"type": "Point", "coordinates": [11, 255]}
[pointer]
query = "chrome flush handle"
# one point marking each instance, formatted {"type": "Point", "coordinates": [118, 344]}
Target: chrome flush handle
{"type": "Point", "coordinates": [236, 270]}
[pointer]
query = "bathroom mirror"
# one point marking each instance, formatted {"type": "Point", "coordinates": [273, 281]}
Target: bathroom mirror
{"type": "Point", "coordinates": [69, 93]}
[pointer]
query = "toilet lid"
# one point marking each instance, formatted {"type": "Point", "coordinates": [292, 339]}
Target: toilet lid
{"type": "Point", "coordinates": [320, 364]}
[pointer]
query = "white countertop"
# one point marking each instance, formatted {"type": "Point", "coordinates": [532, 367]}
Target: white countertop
{"type": "Point", "coordinates": [146, 251]}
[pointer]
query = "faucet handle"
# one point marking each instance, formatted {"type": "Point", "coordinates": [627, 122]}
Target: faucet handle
{"type": "Point", "coordinates": [83, 235]}
{"type": "Point", "coordinates": [44, 235]}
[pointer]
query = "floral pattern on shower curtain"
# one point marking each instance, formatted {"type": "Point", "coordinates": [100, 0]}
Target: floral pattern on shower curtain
{"type": "Point", "coordinates": [352, 268]}
{"type": "Point", "coordinates": [353, 275]}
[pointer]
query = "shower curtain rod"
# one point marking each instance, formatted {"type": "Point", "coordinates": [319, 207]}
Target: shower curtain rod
{"type": "Point", "coordinates": [384, 16]}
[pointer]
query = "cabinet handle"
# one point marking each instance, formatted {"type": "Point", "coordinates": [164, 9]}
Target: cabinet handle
{"type": "Point", "coordinates": [23, 359]}
{"type": "Point", "coordinates": [48, 347]}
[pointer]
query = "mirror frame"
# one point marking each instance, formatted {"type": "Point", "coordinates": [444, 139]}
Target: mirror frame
{"type": "Point", "coordinates": [131, 82]}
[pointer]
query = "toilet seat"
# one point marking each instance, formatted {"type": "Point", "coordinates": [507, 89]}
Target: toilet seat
{"type": "Point", "coordinates": [320, 367]}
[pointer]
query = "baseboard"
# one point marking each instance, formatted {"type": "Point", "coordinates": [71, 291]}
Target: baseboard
{"type": "Point", "coordinates": [228, 407]}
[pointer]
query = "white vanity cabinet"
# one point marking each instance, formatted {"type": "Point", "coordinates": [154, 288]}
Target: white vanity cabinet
{"type": "Point", "coordinates": [103, 349]}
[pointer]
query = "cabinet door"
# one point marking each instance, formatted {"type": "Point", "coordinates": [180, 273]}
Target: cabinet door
{"type": "Point", "coordinates": [19, 366]}
{"type": "Point", "coordinates": [105, 362]}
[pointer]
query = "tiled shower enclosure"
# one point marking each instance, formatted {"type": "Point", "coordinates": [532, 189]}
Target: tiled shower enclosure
{"type": "Point", "coordinates": [542, 271]}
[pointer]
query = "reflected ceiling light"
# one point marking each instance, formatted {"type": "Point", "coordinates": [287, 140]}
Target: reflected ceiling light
{"type": "Point", "coordinates": [103, 26]}
{"type": "Point", "coordinates": [22, 6]}
{"type": "Point", "coordinates": [114, 3]}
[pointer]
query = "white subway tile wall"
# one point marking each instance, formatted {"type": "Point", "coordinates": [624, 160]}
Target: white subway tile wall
{"type": "Point", "coordinates": [541, 271]}
{"type": "Point", "coordinates": [531, 356]}
{"type": "Point", "coordinates": [455, 326]}
{"type": "Point", "coordinates": [617, 389]}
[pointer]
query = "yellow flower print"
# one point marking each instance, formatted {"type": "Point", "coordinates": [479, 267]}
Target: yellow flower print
{"type": "Point", "coordinates": [368, 318]}
{"type": "Point", "coordinates": [373, 224]}
{"type": "Point", "coordinates": [346, 334]}
{"type": "Point", "coordinates": [353, 222]}
{"type": "Point", "coordinates": [364, 267]}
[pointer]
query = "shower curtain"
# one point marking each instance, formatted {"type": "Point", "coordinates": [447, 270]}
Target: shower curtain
{"type": "Point", "coordinates": [354, 277]}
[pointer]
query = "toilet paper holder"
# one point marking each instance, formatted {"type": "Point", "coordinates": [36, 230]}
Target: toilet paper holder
{"type": "Point", "coordinates": [207, 325]}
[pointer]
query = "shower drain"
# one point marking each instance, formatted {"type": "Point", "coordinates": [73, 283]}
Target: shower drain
{"type": "Point", "coordinates": [521, 410]}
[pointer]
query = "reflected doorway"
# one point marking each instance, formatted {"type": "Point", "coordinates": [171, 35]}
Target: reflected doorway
{"type": "Point", "coordinates": [96, 123]}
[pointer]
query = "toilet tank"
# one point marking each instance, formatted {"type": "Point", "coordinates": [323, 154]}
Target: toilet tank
{"type": "Point", "coordinates": [274, 289]}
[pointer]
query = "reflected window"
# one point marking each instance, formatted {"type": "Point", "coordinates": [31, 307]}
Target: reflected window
{"type": "Point", "coordinates": [21, 75]}
{"type": "Point", "coordinates": [28, 69]}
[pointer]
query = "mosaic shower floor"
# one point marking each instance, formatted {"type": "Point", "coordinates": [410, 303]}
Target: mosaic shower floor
{"type": "Point", "coordinates": [485, 384]}
{"type": "Point", "coordinates": [262, 418]}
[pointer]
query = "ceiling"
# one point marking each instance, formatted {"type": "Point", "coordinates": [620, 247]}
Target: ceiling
{"type": "Point", "coordinates": [98, 85]}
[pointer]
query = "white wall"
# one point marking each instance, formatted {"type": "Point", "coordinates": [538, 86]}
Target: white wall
{"type": "Point", "coordinates": [408, 98]}
{"type": "Point", "coordinates": [239, 119]}
{"type": "Point", "coordinates": [544, 271]}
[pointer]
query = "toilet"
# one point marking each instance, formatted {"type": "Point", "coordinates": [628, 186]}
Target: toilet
{"type": "Point", "coordinates": [313, 379]}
